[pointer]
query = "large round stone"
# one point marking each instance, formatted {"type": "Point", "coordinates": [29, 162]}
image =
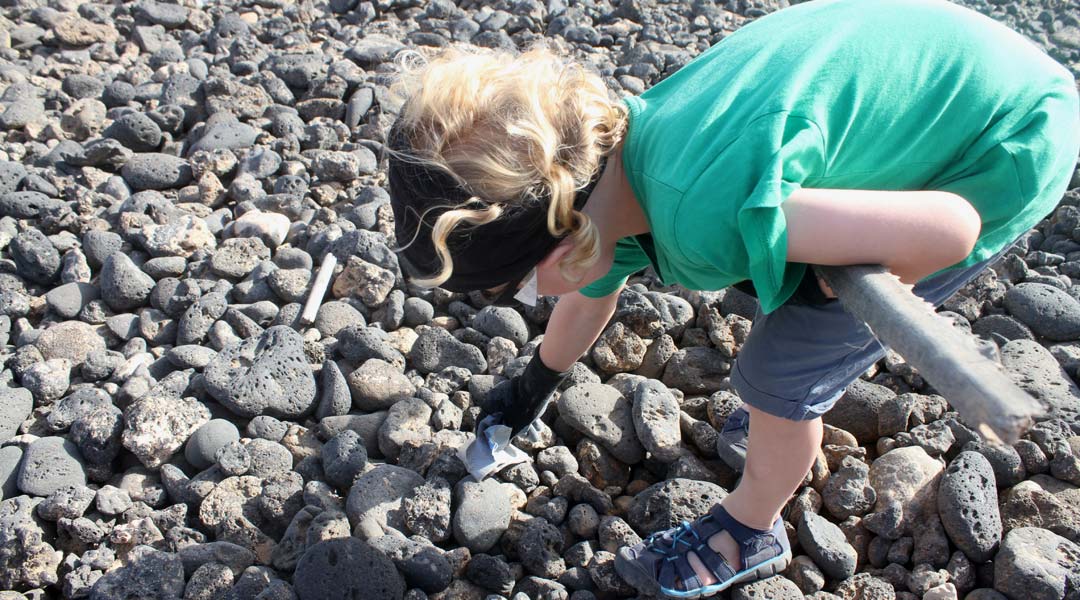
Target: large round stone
{"type": "Point", "coordinates": [377, 495]}
{"type": "Point", "coordinates": [1036, 564]}
{"type": "Point", "coordinates": [483, 514]}
{"type": "Point", "coordinates": [50, 463]}
{"type": "Point", "coordinates": [602, 413]}
{"type": "Point", "coordinates": [268, 374]}
{"type": "Point", "coordinates": [346, 569]}
{"type": "Point", "coordinates": [1048, 311]}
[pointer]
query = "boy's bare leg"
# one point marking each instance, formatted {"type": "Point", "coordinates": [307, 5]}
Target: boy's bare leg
{"type": "Point", "coordinates": [778, 455]}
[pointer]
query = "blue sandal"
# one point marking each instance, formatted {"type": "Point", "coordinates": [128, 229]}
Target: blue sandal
{"type": "Point", "coordinates": [660, 565]}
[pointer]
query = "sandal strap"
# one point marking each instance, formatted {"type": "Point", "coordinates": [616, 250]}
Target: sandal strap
{"type": "Point", "coordinates": [714, 562]}
{"type": "Point", "coordinates": [676, 569]}
{"type": "Point", "coordinates": [751, 541]}
{"type": "Point", "coordinates": [687, 573]}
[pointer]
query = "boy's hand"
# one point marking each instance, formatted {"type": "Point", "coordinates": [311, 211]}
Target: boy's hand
{"type": "Point", "coordinates": [825, 289]}
{"type": "Point", "coordinates": [522, 399]}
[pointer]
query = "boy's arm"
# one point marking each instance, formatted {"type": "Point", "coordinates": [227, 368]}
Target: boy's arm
{"type": "Point", "coordinates": [912, 233]}
{"type": "Point", "coordinates": [574, 325]}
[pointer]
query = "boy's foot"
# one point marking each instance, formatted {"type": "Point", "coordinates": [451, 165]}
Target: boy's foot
{"type": "Point", "coordinates": [731, 442]}
{"type": "Point", "coordinates": [662, 564]}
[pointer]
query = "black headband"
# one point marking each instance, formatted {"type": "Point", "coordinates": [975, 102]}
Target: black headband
{"type": "Point", "coordinates": [485, 256]}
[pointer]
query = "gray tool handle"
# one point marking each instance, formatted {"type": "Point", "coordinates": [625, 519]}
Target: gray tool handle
{"type": "Point", "coordinates": [976, 386]}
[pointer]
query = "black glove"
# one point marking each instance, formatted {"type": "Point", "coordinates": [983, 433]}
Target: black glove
{"type": "Point", "coordinates": [521, 400]}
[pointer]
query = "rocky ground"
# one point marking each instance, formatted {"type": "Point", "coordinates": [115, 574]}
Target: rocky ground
{"type": "Point", "coordinates": [172, 176]}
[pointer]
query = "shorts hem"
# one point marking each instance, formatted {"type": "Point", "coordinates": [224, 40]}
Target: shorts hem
{"type": "Point", "coordinates": [784, 408]}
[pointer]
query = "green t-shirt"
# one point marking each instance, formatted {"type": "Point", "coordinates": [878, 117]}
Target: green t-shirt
{"type": "Point", "coordinates": [848, 94]}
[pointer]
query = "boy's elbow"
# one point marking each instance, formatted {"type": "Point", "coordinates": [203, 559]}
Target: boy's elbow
{"type": "Point", "coordinates": [965, 224]}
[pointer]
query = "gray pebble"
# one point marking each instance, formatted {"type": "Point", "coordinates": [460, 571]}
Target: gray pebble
{"type": "Point", "coordinates": [156, 171]}
{"type": "Point", "coordinates": [79, 86]}
{"type": "Point", "coordinates": [98, 245]}
{"type": "Point", "coordinates": [16, 404]}
{"type": "Point", "coordinates": [435, 349]}
{"type": "Point", "coordinates": [50, 463]}
{"type": "Point", "coordinates": [482, 516]}
{"type": "Point", "coordinates": [603, 414]}
{"type": "Point", "coordinates": [135, 131]}
{"type": "Point", "coordinates": [123, 285]}
{"type": "Point", "coordinates": [826, 544]}
{"type": "Point", "coordinates": [224, 132]}
{"type": "Point", "coordinates": [1036, 564]}
{"type": "Point", "coordinates": [68, 300]}
{"type": "Point", "coordinates": [335, 316]}
{"type": "Point", "coordinates": [967, 503]}
{"type": "Point", "coordinates": [501, 321]}
{"type": "Point", "coordinates": [1048, 311]}
{"type": "Point", "coordinates": [359, 343]}
{"type": "Point", "coordinates": [35, 256]}
{"type": "Point", "coordinates": [344, 458]}
{"type": "Point", "coordinates": [334, 395]}
{"type": "Point", "coordinates": [378, 385]}
{"type": "Point", "coordinates": [417, 311]}
{"type": "Point", "coordinates": [268, 374]}
{"type": "Point", "coordinates": [201, 448]}
{"type": "Point", "coordinates": [149, 573]}
{"type": "Point", "coordinates": [73, 406]}
{"type": "Point", "coordinates": [28, 204]}
{"type": "Point", "coordinates": [378, 495]}
{"type": "Point", "coordinates": [10, 458]}
{"type": "Point", "coordinates": [267, 428]}
{"type": "Point", "coordinates": [233, 459]}
{"type": "Point", "coordinates": [656, 420]}
{"type": "Point", "coordinates": [427, 510]}
{"type": "Point", "coordinates": [346, 568]}
{"type": "Point", "coordinates": [98, 435]}
{"type": "Point", "coordinates": [268, 458]}
{"type": "Point", "coordinates": [423, 565]}
{"type": "Point", "coordinates": [11, 173]}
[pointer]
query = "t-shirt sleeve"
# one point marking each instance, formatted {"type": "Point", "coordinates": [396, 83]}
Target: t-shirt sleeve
{"type": "Point", "coordinates": [629, 259]}
{"type": "Point", "coordinates": [742, 191]}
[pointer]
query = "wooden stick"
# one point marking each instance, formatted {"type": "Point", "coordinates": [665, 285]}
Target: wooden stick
{"type": "Point", "coordinates": [976, 386]}
{"type": "Point", "coordinates": [318, 289]}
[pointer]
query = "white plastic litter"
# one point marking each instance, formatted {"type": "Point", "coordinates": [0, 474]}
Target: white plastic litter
{"type": "Point", "coordinates": [492, 451]}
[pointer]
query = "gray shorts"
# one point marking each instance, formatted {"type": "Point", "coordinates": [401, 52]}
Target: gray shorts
{"type": "Point", "coordinates": [799, 359]}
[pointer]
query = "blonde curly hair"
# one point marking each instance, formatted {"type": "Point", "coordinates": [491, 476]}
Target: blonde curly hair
{"type": "Point", "coordinates": [509, 127]}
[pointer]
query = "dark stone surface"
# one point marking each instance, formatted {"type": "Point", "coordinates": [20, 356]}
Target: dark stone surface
{"type": "Point", "coordinates": [268, 374]}
{"type": "Point", "coordinates": [345, 569]}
